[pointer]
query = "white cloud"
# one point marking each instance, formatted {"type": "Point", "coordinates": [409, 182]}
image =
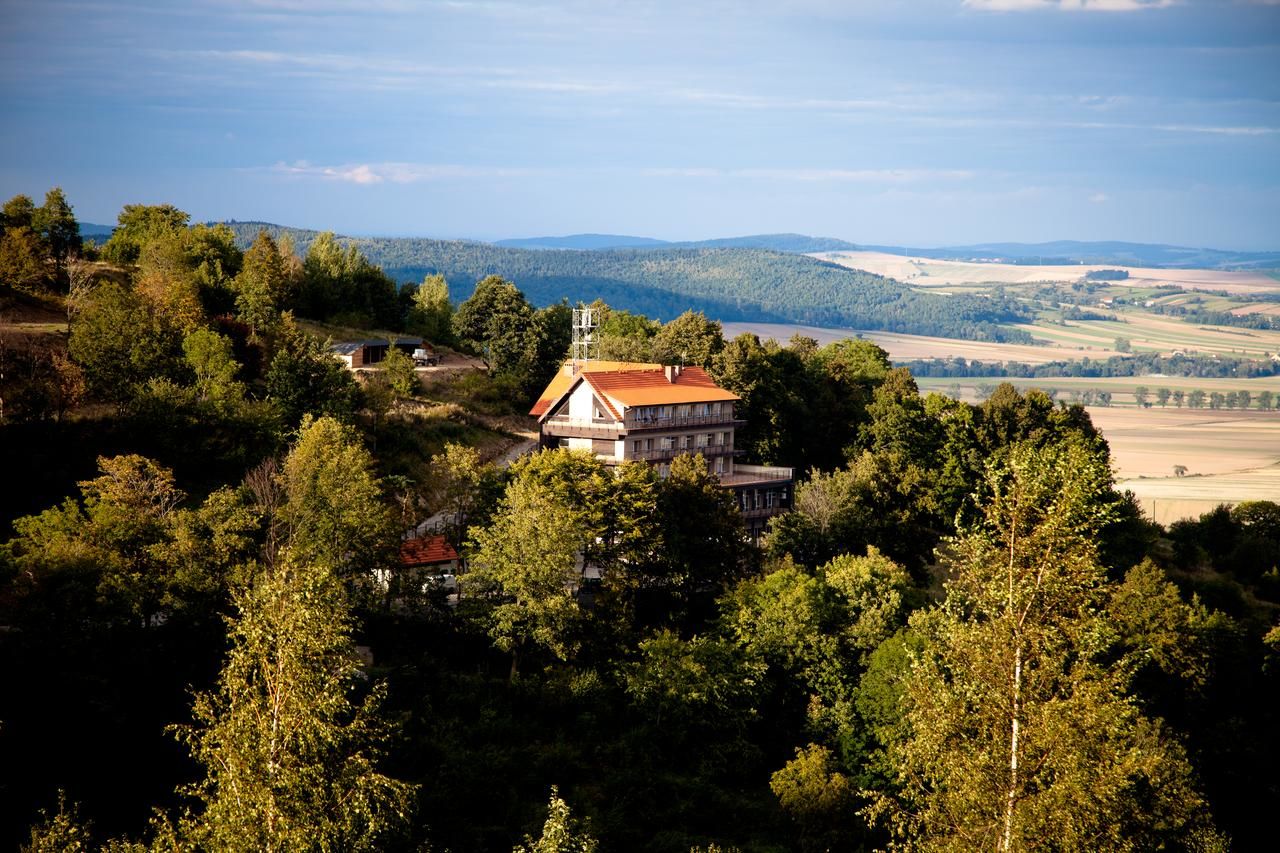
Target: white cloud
{"type": "Point", "coordinates": [397, 173]}
{"type": "Point", "coordinates": [368, 174]}
{"type": "Point", "coordinates": [1068, 5]}
{"type": "Point", "coordinates": [1099, 198]}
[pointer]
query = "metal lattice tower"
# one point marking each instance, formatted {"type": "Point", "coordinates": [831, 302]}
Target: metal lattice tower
{"type": "Point", "coordinates": [586, 343]}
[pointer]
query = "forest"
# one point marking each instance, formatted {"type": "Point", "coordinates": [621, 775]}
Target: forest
{"type": "Point", "coordinates": [962, 637]}
{"type": "Point", "coordinates": [727, 283]}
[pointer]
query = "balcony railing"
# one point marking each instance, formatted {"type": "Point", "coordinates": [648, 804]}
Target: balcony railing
{"type": "Point", "coordinates": [632, 421]}
{"type": "Point", "coordinates": [662, 454]}
{"type": "Point", "coordinates": [583, 428]}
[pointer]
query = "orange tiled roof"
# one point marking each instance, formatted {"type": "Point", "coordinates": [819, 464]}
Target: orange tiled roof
{"type": "Point", "coordinates": [426, 551]}
{"type": "Point", "coordinates": [636, 385]}
{"type": "Point", "coordinates": [562, 381]}
{"type": "Point", "coordinates": [650, 387]}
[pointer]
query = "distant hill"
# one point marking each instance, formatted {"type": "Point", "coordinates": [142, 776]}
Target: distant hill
{"type": "Point", "coordinates": [90, 229]}
{"type": "Point", "coordinates": [727, 283]}
{"type": "Point", "coordinates": [799, 243]}
{"type": "Point", "coordinates": [1102, 252]}
{"type": "Point", "coordinates": [582, 241]}
{"type": "Point", "coordinates": [776, 242]}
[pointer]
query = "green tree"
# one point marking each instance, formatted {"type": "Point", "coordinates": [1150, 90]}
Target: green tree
{"type": "Point", "coordinates": [560, 833]}
{"type": "Point", "coordinates": [120, 343]}
{"type": "Point", "coordinates": [335, 510]}
{"type": "Point", "coordinates": [22, 265]}
{"type": "Point", "coordinates": [304, 378]}
{"type": "Point", "coordinates": [1195, 399]}
{"type": "Point", "coordinates": [877, 595]}
{"type": "Point", "coordinates": [1162, 396]}
{"type": "Point", "coordinates": [814, 792]}
{"type": "Point", "coordinates": [688, 339]}
{"type": "Point", "coordinates": [1178, 396]}
{"type": "Point", "coordinates": [1141, 394]}
{"type": "Point", "coordinates": [166, 278]}
{"type": "Point", "coordinates": [525, 568]}
{"type": "Point", "coordinates": [209, 356]}
{"type": "Point", "coordinates": [56, 223]}
{"type": "Point", "coordinates": [400, 373]}
{"type": "Point", "coordinates": [495, 322]}
{"type": "Point", "coordinates": [62, 832]}
{"type": "Point", "coordinates": [139, 224]}
{"type": "Point", "coordinates": [467, 490]}
{"type": "Point", "coordinates": [1265, 400]}
{"type": "Point", "coordinates": [1216, 399]}
{"type": "Point", "coordinates": [290, 755]}
{"type": "Point", "coordinates": [431, 313]}
{"type": "Point", "coordinates": [261, 285]}
{"type": "Point", "coordinates": [18, 212]}
{"type": "Point", "coordinates": [791, 621]}
{"type": "Point", "coordinates": [1123, 345]}
{"type": "Point", "coordinates": [216, 260]}
{"type": "Point", "coordinates": [684, 685]}
{"type": "Point", "coordinates": [703, 546]}
{"type": "Point", "coordinates": [1019, 731]}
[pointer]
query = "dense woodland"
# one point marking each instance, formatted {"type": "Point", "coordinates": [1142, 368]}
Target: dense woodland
{"type": "Point", "coordinates": [725, 282]}
{"type": "Point", "coordinates": [962, 637]}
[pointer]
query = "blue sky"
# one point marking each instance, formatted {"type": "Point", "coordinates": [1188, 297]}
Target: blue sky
{"type": "Point", "coordinates": [918, 122]}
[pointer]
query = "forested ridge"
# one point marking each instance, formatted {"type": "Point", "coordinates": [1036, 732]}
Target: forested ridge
{"type": "Point", "coordinates": [961, 637]}
{"type": "Point", "coordinates": [725, 283]}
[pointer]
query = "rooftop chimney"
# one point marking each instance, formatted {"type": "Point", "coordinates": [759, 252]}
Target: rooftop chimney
{"type": "Point", "coordinates": [673, 372]}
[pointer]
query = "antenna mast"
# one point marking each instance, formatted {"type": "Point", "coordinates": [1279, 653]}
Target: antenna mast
{"type": "Point", "coordinates": [586, 343]}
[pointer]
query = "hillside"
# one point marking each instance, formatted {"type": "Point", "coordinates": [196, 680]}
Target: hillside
{"type": "Point", "coordinates": [726, 283]}
{"type": "Point", "coordinates": [582, 241]}
{"type": "Point", "coordinates": [799, 243]}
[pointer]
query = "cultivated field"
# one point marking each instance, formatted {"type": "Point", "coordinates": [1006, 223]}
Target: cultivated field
{"type": "Point", "coordinates": [1154, 333]}
{"type": "Point", "coordinates": [908, 347]}
{"type": "Point", "coordinates": [926, 272]}
{"type": "Point", "coordinates": [1228, 456]}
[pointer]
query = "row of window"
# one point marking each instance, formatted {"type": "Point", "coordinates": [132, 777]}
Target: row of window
{"type": "Point", "coordinates": [683, 442]}
{"type": "Point", "coordinates": [683, 410]}
{"type": "Point", "coordinates": [763, 499]}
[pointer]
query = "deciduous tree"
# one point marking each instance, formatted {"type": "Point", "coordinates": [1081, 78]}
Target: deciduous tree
{"type": "Point", "coordinates": [1020, 732]}
{"type": "Point", "coordinates": [290, 754]}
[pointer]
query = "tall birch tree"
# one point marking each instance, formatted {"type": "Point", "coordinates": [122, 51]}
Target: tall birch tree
{"type": "Point", "coordinates": [1020, 731]}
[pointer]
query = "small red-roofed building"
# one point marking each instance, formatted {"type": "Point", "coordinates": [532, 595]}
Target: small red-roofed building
{"type": "Point", "coordinates": [653, 413]}
{"type": "Point", "coordinates": [428, 552]}
{"type": "Point", "coordinates": [427, 563]}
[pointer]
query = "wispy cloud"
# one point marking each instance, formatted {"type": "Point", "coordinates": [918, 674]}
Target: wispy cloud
{"type": "Point", "coordinates": [1099, 198]}
{"type": "Point", "coordinates": [396, 173]}
{"type": "Point", "coordinates": [1068, 5]}
{"type": "Point", "coordinates": [408, 173]}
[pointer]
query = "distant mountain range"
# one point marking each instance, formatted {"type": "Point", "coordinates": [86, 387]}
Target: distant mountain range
{"type": "Point", "coordinates": [91, 229]}
{"type": "Point", "coordinates": [798, 243]}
